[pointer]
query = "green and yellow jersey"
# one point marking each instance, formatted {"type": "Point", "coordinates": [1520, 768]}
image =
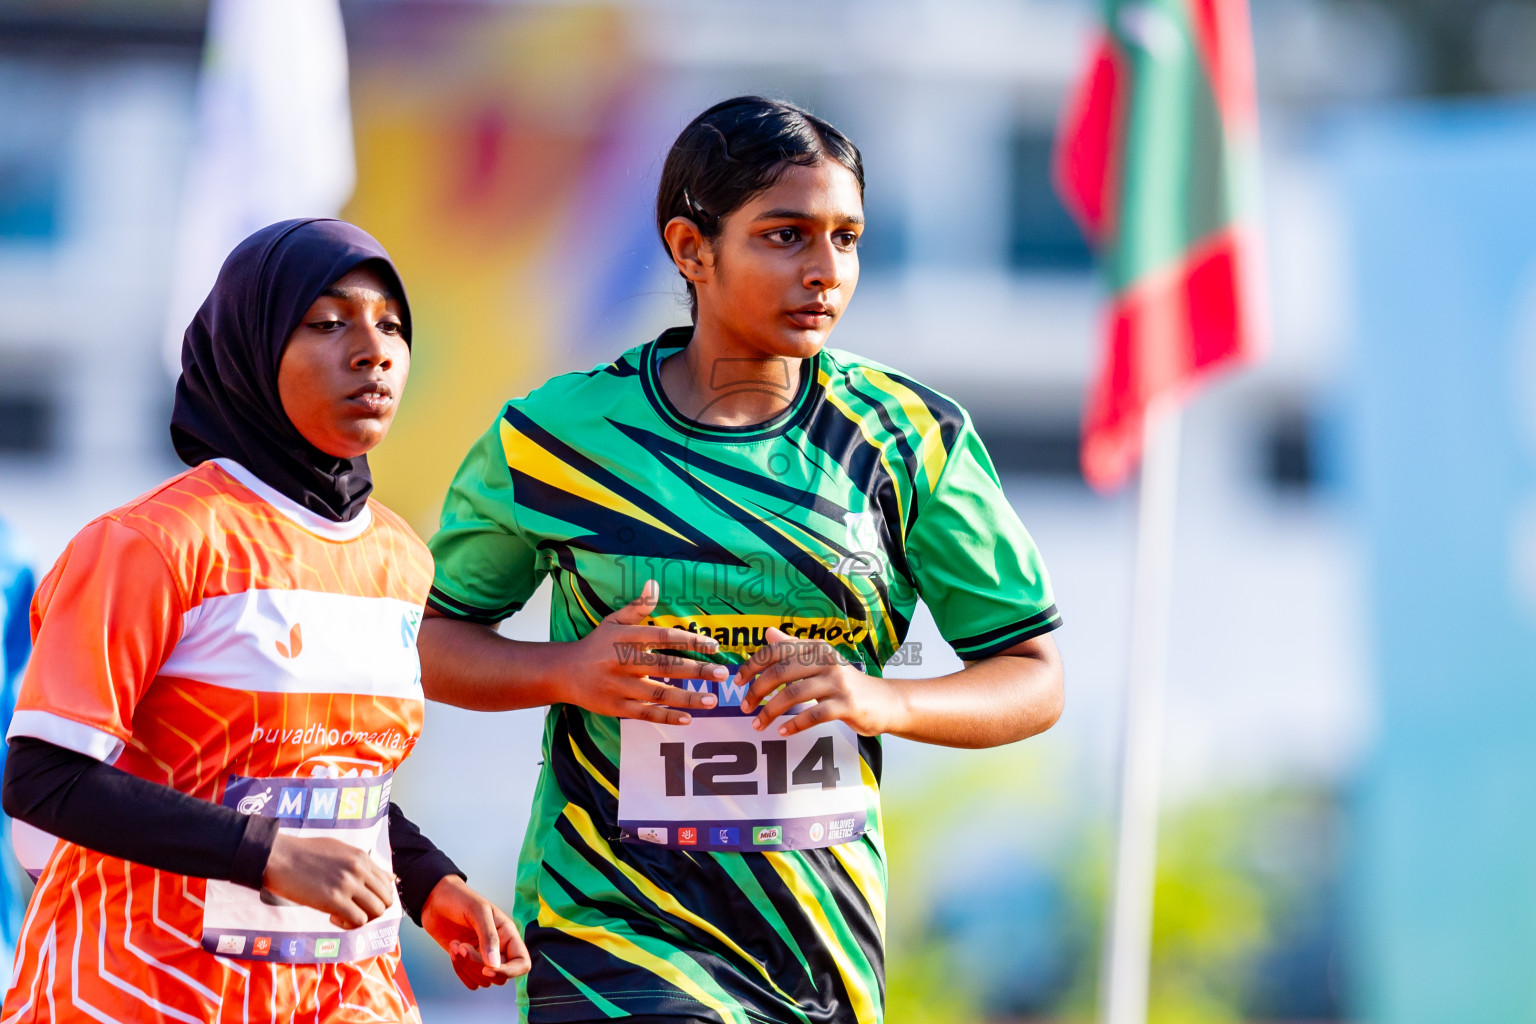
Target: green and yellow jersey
{"type": "Point", "coordinates": [830, 521]}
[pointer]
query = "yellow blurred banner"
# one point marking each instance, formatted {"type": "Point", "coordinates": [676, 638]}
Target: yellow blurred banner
{"type": "Point", "coordinates": [477, 134]}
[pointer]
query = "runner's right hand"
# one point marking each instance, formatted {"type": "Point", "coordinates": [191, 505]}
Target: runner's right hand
{"type": "Point", "coordinates": [615, 671]}
{"type": "Point", "coordinates": [330, 876]}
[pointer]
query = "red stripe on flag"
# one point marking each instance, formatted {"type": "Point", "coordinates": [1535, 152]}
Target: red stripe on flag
{"type": "Point", "coordinates": [1168, 333]}
{"type": "Point", "coordinates": [1225, 41]}
{"type": "Point", "coordinates": [1087, 147]}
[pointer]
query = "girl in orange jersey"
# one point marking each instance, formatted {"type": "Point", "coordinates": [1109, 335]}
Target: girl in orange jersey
{"type": "Point", "coordinates": [225, 678]}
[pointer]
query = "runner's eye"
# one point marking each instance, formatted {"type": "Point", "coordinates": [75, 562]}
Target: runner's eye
{"type": "Point", "coordinates": [326, 325]}
{"type": "Point", "coordinates": [846, 239]}
{"type": "Point", "coordinates": [784, 236]}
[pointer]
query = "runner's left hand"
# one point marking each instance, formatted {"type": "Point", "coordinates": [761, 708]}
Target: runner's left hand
{"type": "Point", "coordinates": [813, 670]}
{"type": "Point", "coordinates": [481, 940]}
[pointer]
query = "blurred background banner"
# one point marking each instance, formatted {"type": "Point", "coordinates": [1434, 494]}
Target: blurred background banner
{"type": "Point", "coordinates": [273, 138]}
{"type": "Point", "coordinates": [1443, 408]}
{"type": "Point", "coordinates": [504, 162]}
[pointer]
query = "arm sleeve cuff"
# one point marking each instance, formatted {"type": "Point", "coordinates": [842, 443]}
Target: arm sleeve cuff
{"type": "Point", "coordinates": [419, 865]}
{"type": "Point", "coordinates": [249, 865]}
{"type": "Point", "coordinates": [421, 878]}
{"type": "Point", "coordinates": [996, 641]}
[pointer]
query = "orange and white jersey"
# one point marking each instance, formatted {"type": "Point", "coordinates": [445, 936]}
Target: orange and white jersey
{"type": "Point", "coordinates": [212, 632]}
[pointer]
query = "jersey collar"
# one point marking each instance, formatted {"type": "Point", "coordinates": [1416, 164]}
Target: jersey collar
{"type": "Point", "coordinates": [301, 516]}
{"type": "Point", "coordinates": [675, 338]}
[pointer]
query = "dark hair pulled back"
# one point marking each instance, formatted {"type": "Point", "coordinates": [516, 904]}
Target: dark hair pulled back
{"type": "Point", "coordinates": [736, 149]}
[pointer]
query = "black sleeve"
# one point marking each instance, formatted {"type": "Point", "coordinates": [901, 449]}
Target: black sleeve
{"type": "Point", "coordinates": [102, 808]}
{"type": "Point", "coordinates": [419, 865]}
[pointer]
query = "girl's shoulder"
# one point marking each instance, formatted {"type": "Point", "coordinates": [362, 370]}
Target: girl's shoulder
{"type": "Point", "coordinates": [864, 383]}
{"type": "Point", "coordinates": [177, 512]}
{"type": "Point", "coordinates": [604, 383]}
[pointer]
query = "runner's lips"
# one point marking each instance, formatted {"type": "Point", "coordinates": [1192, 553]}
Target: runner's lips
{"type": "Point", "coordinates": [812, 314]}
{"type": "Point", "coordinates": [376, 395]}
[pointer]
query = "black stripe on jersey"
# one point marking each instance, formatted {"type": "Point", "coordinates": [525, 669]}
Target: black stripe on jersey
{"type": "Point", "coordinates": [576, 784]}
{"type": "Point", "coordinates": [735, 973]}
{"type": "Point", "coordinates": [611, 532]}
{"type": "Point", "coordinates": [806, 498]}
{"type": "Point", "coordinates": [832, 432]}
{"type": "Point", "coordinates": [899, 436]}
{"type": "Point", "coordinates": [622, 983]}
{"type": "Point", "coordinates": [692, 457]}
{"type": "Point", "coordinates": [579, 461]}
{"type": "Point", "coordinates": [565, 563]}
{"type": "Point", "coordinates": [873, 753]}
{"type": "Point", "coordinates": [572, 721]}
{"type": "Point", "coordinates": [995, 641]}
{"type": "Point", "coordinates": [455, 609]}
{"type": "Point", "coordinates": [950, 416]}
{"type": "Point", "coordinates": [832, 1003]}
{"type": "Point", "coordinates": [994, 634]}
{"type": "Point", "coordinates": [817, 574]}
{"type": "Point", "coordinates": [853, 907]}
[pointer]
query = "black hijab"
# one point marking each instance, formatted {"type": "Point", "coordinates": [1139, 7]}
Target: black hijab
{"type": "Point", "coordinates": [227, 403]}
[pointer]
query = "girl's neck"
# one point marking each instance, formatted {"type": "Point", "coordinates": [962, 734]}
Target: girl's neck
{"type": "Point", "coordinates": [720, 383]}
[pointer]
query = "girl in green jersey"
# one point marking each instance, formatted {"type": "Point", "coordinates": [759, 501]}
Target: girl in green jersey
{"type": "Point", "coordinates": [737, 523]}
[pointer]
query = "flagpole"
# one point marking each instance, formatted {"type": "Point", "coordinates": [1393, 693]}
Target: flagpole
{"type": "Point", "coordinates": [1128, 938]}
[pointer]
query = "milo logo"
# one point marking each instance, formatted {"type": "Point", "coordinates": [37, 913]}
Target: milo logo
{"type": "Point", "coordinates": [768, 835]}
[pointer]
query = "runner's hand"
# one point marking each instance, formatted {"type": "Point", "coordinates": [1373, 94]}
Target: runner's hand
{"type": "Point", "coordinates": [482, 942]}
{"type": "Point", "coordinates": [330, 876]}
{"type": "Point", "coordinates": [812, 670]}
{"type": "Point", "coordinates": [614, 669]}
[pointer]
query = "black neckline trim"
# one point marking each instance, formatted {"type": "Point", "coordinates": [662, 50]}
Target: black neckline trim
{"type": "Point", "coordinates": [678, 337]}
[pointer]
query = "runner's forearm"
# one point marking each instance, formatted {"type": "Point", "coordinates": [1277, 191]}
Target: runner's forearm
{"type": "Point", "coordinates": [102, 808]}
{"type": "Point", "coordinates": [419, 865]}
{"type": "Point", "coordinates": [1002, 699]}
{"type": "Point", "coordinates": [472, 666]}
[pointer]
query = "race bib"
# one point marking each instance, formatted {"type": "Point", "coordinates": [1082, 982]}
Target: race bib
{"type": "Point", "coordinates": [718, 784]}
{"type": "Point", "coordinates": [248, 925]}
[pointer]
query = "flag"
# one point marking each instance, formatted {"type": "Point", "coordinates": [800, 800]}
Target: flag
{"type": "Point", "coordinates": [1157, 159]}
{"type": "Point", "coordinates": [272, 137]}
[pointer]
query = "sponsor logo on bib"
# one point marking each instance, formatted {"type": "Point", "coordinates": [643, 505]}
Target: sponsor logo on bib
{"type": "Point", "coordinates": [687, 837]}
{"type": "Point", "coordinates": [844, 828]}
{"type": "Point", "coordinates": [724, 836]}
{"type": "Point", "coordinates": [231, 945]}
{"type": "Point", "coordinates": [767, 835]}
{"type": "Point", "coordinates": [327, 947]}
{"type": "Point", "coordinates": [818, 831]}
{"type": "Point", "coordinates": [255, 802]}
{"type": "Point", "coordinates": [262, 946]}
{"type": "Point", "coordinates": [653, 835]}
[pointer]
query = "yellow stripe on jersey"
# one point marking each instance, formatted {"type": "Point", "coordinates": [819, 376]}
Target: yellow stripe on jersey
{"type": "Point", "coordinates": [630, 952]}
{"type": "Point", "coordinates": [864, 876]}
{"type": "Point", "coordinates": [931, 450]}
{"type": "Point", "coordinates": [864, 428]}
{"type": "Point", "coordinates": [823, 555]}
{"type": "Point", "coordinates": [524, 453]}
{"type": "Point", "coordinates": [592, 770]}
{"type": "Point", "coordinates": [864, 1009]}
{"type": "Point", "coordinates": [664, 900]}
